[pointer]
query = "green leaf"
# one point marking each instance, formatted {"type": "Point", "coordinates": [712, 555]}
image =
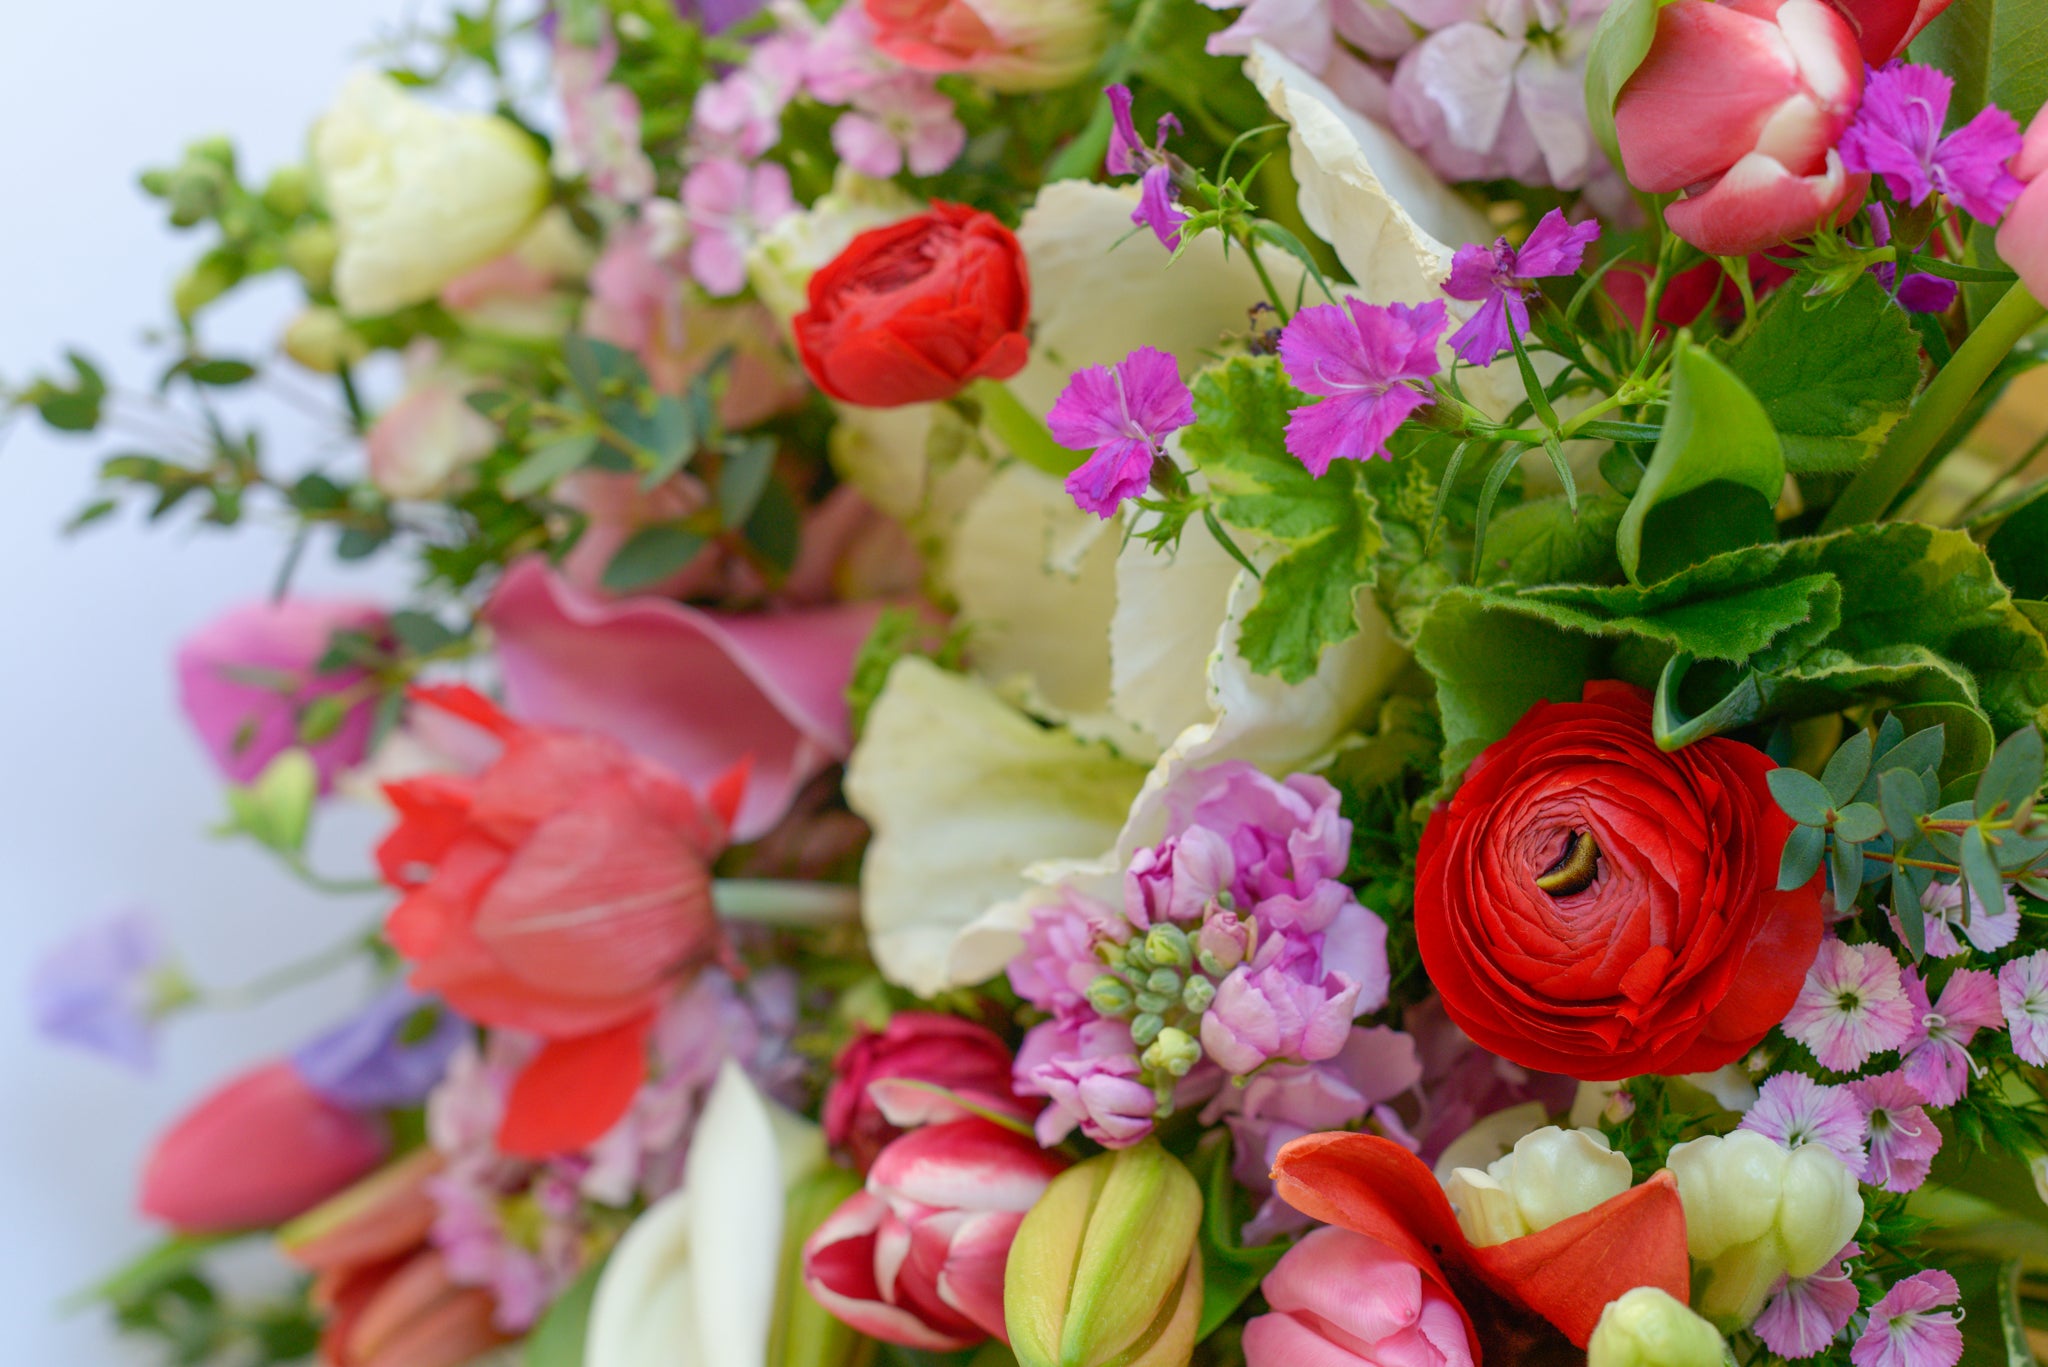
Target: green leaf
{"type": "Point", "coordinates": [1801, 861]}
{"type": "Point", "coordinates": [1911, 915]}
{"type": "Point", "coordinates": [277, 808]}
{"type": "Point", "coordinates": [651, 555]}
{"type": "Point", "coordinates": [1620, 43]}
{"type": "Point", "coordinates": [1230, 1271]}
{"type": "Point", "coordinates": [549, 462]}
{"type": "Point", "coordinates": [1845, 868]}
{"type": "Point", "coordinates": [2013, 776]}
{"type": "Point", "coordinates": [743, 479]}
{"type": "Point", "coordinates": [1492, 664]}
{"type": "Point", "coordinates": [1847, 768]}
{"type": "Point", "coordinates": [152, 1268]}
{"type": "Point", "coordinates": [1714, 480]}
{"type": "Point", "coordinates": [1997, 51]}
{"type": "Point", "coordinates": [1903, 801]}
{"type": "Point", "coordinates": [1859, 823]}
{"type": "Point", "coordinates": [1980, 873]}
{"type": "Point", "coordinates": [2020, 546]}
{"type": "Point", "coordinates": [1801, 796]}
{"type": "Point", "coordinates": [421, 632]}
{"type": "Point", "coordinates": [1326, 529]}
{"type": "Point", "coordinates": [1541, 542]}
{"type": "Point", "coordinates": [1833, 376]}
{"type": "Point", "coordinates": [557, 1341]}
{"type": "Point", "coordinates": [1489, 493]}
{"type": "Point", "coordinates": [221, 374]}
{"type": "Point", "coordinates": [776, 528]}
{"type": "Point", "coordinates": [1919, 753]}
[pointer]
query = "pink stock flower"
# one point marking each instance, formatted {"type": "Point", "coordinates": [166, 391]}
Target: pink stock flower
{"type": "Point", "coordinates": [1912, 1325]}
{"type": "Point", "coordinates": [841, 59]}
{"type": "Point", "coordinates": [899, 122]}
{"type": "Point", "coordinates": [1497, 279]}
{"type": "Point", "coordinates": [1340, 1299]}
{"type": "Point", "coordinates": [1936, 1051]}
{"type": "Point", "coordinates": [1793, 1110]}
{"type": "Point", "coordinates": [2023, 237]}
{"type": "Point", "coordinates": [1897, 134]}
{"type": "Point", "coordinates": [1059, 959]}
{"type": "Point", "coordinates": [917, 1257]}
{"type": "Point", "coordinates": [1903, 1141]}
{"type": "Point", "coordinates": [1370, 364]}
{"type": "Point", "coordinates": [246, 678]}
{"type": "Point", "coordinates": [740, 115]}
{"type": "Point", "coordinates": [1806, 1313]}
{"type": "Point", "coordinates": [1852, 1006]}
{"type": "Point", "coordinates": [600, 125]}
{"type": "Point", "coordinates": [1121, 415]}
{"type": "Point", "coordinates": [696, 692]}
{"type": "Point", "coordinates": [2023, 997]}
{"type": "Point", "coordinates": [728, 205]}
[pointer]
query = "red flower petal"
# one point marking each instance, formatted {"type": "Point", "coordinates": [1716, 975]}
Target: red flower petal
{"type": "Point", "coordinates": [574, 1091]}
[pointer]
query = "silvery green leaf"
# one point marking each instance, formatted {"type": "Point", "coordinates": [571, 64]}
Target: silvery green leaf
{"type": "Point", "coordinates": [1801, 796]}
{"type": "Point", "coordinates": [1803, 851]}
{"type": "Point", "coordinates": [2013, 776]}
{"type": "Point", "coordinates": [1847, 769]}
{"type": "Point", "coordinates": [1903, 799]}
{"type": "Point", "coordinates": [1845, 862]}
{"type": "Point", "coordinates": [1859, 823]}
{"type": "Point", "coordinates": [1986, 887]}
{"type": "Point", "coordinates": [1906, 906]}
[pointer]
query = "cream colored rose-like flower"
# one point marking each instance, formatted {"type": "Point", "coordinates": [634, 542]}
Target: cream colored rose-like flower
{"type": "Point", "coordinates": [419, 195]}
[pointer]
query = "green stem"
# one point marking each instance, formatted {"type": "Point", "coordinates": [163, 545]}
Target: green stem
{"type": "Point", "coordinates": [1251, 249]}
{"type": "Point", "coordinates": [1983, 495]}
{"type": "Point", "coordinates": [776, 902]}
{"type": "Point", "coordinates": [1020, 430]}
{"type": "Point", "coordinates": [1874, 491]}
{"type": "Point", "coordinates": [310, 969]}
{"type": "Point", "coordinates": [320, 882]}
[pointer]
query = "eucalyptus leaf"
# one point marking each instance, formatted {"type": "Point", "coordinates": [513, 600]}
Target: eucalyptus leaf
{"type": "Point", "coordinates": [1845, 866]}
{"type": "Point", "coordinates": [1912, 917]}
{"type": "Point", "coordinates": [1801, 796]}
{"type": "Point", "coordinates": [1848, 767]}
{"type": "Point", "coordinates": [651, 555]}
{"type": "Point", "coordinates": [1803, 851]}
{"type": "Point", "coordinates": [548, 463]}
{"type": "Point", "coordinates": [1859, 823]}
{"type": "Point", "coordinates": [2013, 776]}
{"type": "Point", "coordinates": [1903, 802]}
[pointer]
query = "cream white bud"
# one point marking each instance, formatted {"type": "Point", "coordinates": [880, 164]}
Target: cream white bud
{"type": "Point", "coordinates": [1551, 1174]}
{"type": "Point", "coordinates": [1647, 1328]}
{"type": "Point", "coordinates": [1755, 1212]}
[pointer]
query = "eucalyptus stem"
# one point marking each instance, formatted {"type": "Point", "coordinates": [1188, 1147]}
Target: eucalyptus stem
{"type": "Point", "coordinates": [778, 902]}
{"type": "Point", "coordinates": [1871, 494]}
{"type": "Point", "coordinates": [1023, 432]}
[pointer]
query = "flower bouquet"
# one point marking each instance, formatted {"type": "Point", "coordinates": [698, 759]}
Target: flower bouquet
{"type": "Point", "coordinates": [1121, 683]}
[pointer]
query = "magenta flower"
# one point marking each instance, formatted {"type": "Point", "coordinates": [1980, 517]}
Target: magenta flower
{"type": "Point", "coordinates": [1919, 292]}
{"type": "Point", "coordinates": [1123, 414]}
{"type": "Point", "coordinates": [897, 123]}
{"type": "Point", "coordinates": [1946, 930]}
{"type": "Point", "coordinates": [1369, 364]}
{"type": "Point", "coordinates": [1129, 156]}
{"type": "Point", "coordinates": [1912, 1326]}
{"type": "Point", "coordinates": [1497, 277]}
{"type": "Point", "coordinates": [728, 204]}
{"type": "Point", "coordinates": [99, 990]}
{"type": "Point", "coordinates": [1793, 1109]}
{"type": "Point", "coordinates": [1852, 1006]}
{"type": "Point", "coordinates": [1897, 135]}
{"type": "Point", "coordinates": [1937, 1048]}
{"type": "Point", "coordinates": [1805, 1313]}
{"type": "Point", "coordinates": [1903, 1141]}
{"type": "Point", "coordinates": [2023, 997]}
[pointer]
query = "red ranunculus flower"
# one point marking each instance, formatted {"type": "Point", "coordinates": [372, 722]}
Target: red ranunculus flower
{"type": "Point", "coordinates": [1588, 904]}
{"type": "Point", "coordinates": [917, 1071]}
{"type": "Point", "coordinates": [911, 312]}
{"type": "Point", "coordinates": [564, 891]}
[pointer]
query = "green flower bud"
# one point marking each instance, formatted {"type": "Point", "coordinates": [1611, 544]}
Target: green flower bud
{"type": "Point", "coordinates": [321, 340]}
{"type": "Point", "coordinates": [211, 277]}
{"type": "Point", "coordinates": [1136, 959]}
{"type": "Point", "coordinates": [310, 252]}
{"type": "Point", "coordinates": [1197, 995]}
{"type": "Point", "coordinates": [1145, 1028]}
{"type": "Point", "coordinates": [1155, 1003]}
{"type": "Point", "coordinates": [1175, 1052]}
{"type": "Point", "coordinates": [1110, 996]}
{"type": "Point", "coordinates": [1647, 1328]}
{"type": "Point", "coordinates": [1164, 981]}
{"type": "Point", "coordinates": [290, 192]}
{"type": "Point", "coordinates": [1105, 1268]}
{"type": "Point", "coordinates": [1167, 944]}
{"type": "Point", "coordinates": [1211, 965]}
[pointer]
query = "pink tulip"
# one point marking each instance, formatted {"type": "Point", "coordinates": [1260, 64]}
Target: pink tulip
{"type": "Point", "coordinates": [1885, 28]}
{"type": "Point", "coordinates": [917, 1258]}
{"type": "Point", "coordinates": [258, 1151]}
{"type": "Point", "coordinates": [1740, 105]}
{"type": "Point", "coordinates": [910, 1074]}
{"type": "Point", "coordinates": [1342, 1300]}
{"type": "Point", "coordinates": [2023, 236]}
{"type": "Point", "coordinates": [695, 691]}
{"type": "Point", "coordinates": [246, 678]}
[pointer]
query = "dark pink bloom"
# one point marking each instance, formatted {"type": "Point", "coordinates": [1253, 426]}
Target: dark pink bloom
{"type": "Point", "coordinates": [1805, 1313]}
{"type": "Point", "coordinates": [902, 1076]}
{"type": "Point", "coordinates": [1937, 1049]}
{"type": "Point", "coordinates": [1903, 1141]}
{"type": "Point", "coordinates": [1370, 365]}
{"type": "Point", "coordinates": [1088, 1069]}
{"type": "Point", "coordinates": [1913, 1325]}
{"type": "Point", "coordinates": [1497, 278]}
{"type": "Point", "coordinates": [1123, 414]}
{"type": "Point", "coordinates": [1897, 135]}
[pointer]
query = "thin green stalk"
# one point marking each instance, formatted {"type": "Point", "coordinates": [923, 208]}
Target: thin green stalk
{"type": "Point", "coordinates": [1983, 495]}
{"type": "Point", "coordinates": [309, 969]}
{"type": "Point", "coordinates": [1023, 432]}
{"type": "Point", "coordinates": [1873, 492]}
{"type": "Point", "coordinates": [776, 902]}
{"type": "Point", "coordinates": [1251, 249]}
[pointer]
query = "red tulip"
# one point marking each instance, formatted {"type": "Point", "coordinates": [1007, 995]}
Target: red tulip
{"type": "Point", "coordinates": [256, 1152]}
{"type": "Point", "coordinates": [1519, 1298]}
{"type": "Point", "coordinates": [2023, 236]}
{"type": "Point", "coordinates": [1884, 28]}
{"type": "Point", "coordinates": [918, 1257]}
{"type": "Point", "coordinates": [891, 1080]}
{"type": "Point", "coordinates": [1740, 105]}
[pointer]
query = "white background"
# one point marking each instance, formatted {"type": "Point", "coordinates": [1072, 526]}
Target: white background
{"type": "Point", "coordinates": [103, 795]}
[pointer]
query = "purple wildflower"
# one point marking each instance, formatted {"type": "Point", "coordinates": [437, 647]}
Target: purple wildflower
{"type": "Point", "coordinates": [1369, 364]}
{"type": "Point", "coordinates": [1897, 135]}
{"type": "Point", "coordinates": [1129, 156]}
{"type": "Point", "coordinates": [1920, 292]}
{"type": "Point", "coordinates": [1903, 1141]}
{"type": "Point", "coordinates": [1936, 1052]}
{"type": "Point", "coordinates": [1805, 1313]}
{"type": "Point", "coordinates": [1912, 1326]}
{"type": "Point", "coordinates": [1123, 413]}
{"type": "Point", "coordinates": [1852, 1006]}
{"type": "Point", "coordinates": [1793, 1109]}
{"type": "Point", "coordinates": [2023, 996]}
{"type": "Point", "coordinates": [1497, 279]}
{"type": "Point", "coordinates": [101, 990]}
{"type": "Point", "coordinates": [390, 1054]}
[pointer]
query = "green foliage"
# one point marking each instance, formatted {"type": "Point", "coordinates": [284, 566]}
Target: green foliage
{"type": "Point", "coordinates": [166, 1295]}
{"type": "Point", "coordinates": [1997, 51]}
{"type": "Point", "coordinates": [1231, 1272]}
{"type": "Point", "coordinates": [1326, 527]}
{"type": "Point", "coordinates": [1619, 45]}
{"type": "Point", "coordinates": [1544, 542]}
{"type": "Point", "coordinates": [277, 808]}
{"type": "Point", "coordinates": [557, 1341]}
{"type": "Point", "coordinates": [897, 632]}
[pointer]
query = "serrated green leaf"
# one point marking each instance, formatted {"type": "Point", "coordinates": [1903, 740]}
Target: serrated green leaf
{"type": "Point", "coordinates": [550, 462]}
{"type": "Point", "coordinates": [651, 555]}
{"type": "Point", "coordinates": [1326, 528]}
{"type": "Point", "coordinates": [1801, 861]}
{"type": "Point", "coordinates": [1541, 542]}
{"type": "Point", "coordinates": [1847, 768]}
{"type": "Point", "coordinates": [1801, 796]}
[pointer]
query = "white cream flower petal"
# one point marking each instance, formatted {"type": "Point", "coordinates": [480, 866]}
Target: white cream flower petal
{"type": "Point", "coordinates": [964, 793]}
{"type": "Point", "coordinates": [419, 195]}
{"type": "Point", "coordinates": [1170, 609]}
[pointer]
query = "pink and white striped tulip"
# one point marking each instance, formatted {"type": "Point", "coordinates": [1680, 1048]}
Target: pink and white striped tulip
{"type": "Point", "coordinates": [2023, 236]}
{"type": "Point", "coordinates": [917, 1258]}
{"type": "Point", "coordinates": [1740, 105]}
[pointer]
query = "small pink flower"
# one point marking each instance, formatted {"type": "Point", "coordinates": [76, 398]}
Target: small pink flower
{"type": "Point", "coordinates": [1852, 1006]}
{"type": "Point", "coordinates": [1341, 1298]}
{"type": "Point", "coordinates": [1946, 929]}
{"type": "Point", "coordinates": [600, 125]}
{"type": "Point", "coordinates": [1497, 279]}
{"type": "Point", "coordinates": [1793, 1109]}
{"type": "Point", "coordinates": [1912, 1326]}
{"type": "Point", "coordinates": [1122, 415]}
{"type": "Point", "coordinates": [1903, 1141]}
{"type": "Point", "coordinates": [2023, 996]}
{"type": "Point", "coordinates": [897, 123]}
{"type": "Point", "coordinates": [1370, 364]}
{"type": "Point", "coordinates": [741, 115]}
{"type": "Point", "coordinates": [1897, 134]}
{"type": "Point", "coordinates": [1937, 1048]}
{"type": "Point", "coordinates": [1806, 1313]}
{"type": "Point", "coordinates": [840, 60]}
{"type": "Point", "coordinates": [728, 205]}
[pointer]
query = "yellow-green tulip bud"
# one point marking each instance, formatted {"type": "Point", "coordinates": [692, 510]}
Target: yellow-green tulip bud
{"type": "Point", "coordinates": [1105, 1268]}
{"type": "Point", "coordinates": [1647, 1328]}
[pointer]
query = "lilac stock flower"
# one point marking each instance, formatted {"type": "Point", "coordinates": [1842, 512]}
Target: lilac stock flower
{"type": "Point", "coordinates": [1128, 155]}
{"type": "Point", "coordinates": [98, 990]}
{"type": "Point", "coordinates": [1897, 135]}
{"type": "Point", "coordinates": [1496, 277]}
{"type": "Point", "coordinates": [728, 204]}
{"type": "Point", "coordinates": [897, 123]}
{"type": "Point", "coordinates": [1936, 1051]}
{"type": "Point", "coordinates": [1805, 1313]}
{"type": "Point", "coordinates": [1903, 1141]}
{"type": "Point", "coordinates": [1912, 1325]}
{"type": "Point", "coordinates": [1919, 293]}
{"type": "Point", "coordinates": [390, 1054]}
{"type": "Point", "coordinates": [1794, 1110]}
{"type": "Point", "coordinates": [1123, 414]}
{"type": "Point", "coordinates": [1852, 1005]}
{"type": "Point", "coordinates": [718, 15]}
{"type": "Point", "coordinates": [1101, 1094]}
{"type": "Point", "coordinates": [1369, 364]}
{"type": "Point", "coordinates": [2023, 997]}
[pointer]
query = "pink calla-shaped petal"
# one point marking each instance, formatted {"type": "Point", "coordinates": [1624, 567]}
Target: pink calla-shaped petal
{"type": "Point", "coordinates": [256, 1152]}
{"type": "Point", "coordinates": [692, 690]}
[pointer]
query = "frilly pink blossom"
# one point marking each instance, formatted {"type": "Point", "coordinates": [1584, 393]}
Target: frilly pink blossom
{"type": "Point", "coordinates": [695, 691]}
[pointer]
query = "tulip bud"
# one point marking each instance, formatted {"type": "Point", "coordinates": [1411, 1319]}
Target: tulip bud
{"type": "Point", "coordinates": [1106, 1262]}
{"type": "Point", "coordinates": [1005, 44]}
{"type": "Point", "coordinates": [2023, 236]}
{"type": "Point", "coordinates": [1550, 1175]}
{"type": "Point", "coordinates": [1755, 1212]}
{"type": "Point", "coordinates": [1646, 1327]}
